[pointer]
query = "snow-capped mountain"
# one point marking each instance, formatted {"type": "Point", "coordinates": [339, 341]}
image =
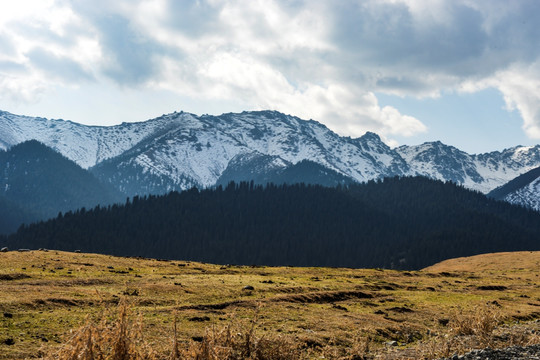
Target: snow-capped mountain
{"type": "Point", "coordinates": [181, 150]}
{"type": "Point", "coordinates": [528, 196]}
{"type": "Point", "coordinates": [482, 172]}
{"type": "Point", "coordinates": [201, 148]}
{"type": "Point", "coordinates": [523, 190]}
{"type": "Point", "coordinates": [85, 145]}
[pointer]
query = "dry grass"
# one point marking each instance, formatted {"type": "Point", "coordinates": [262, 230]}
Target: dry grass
{"type": "Point", "coordinates": [478, 329]}
{"type": "Point", "coordinates": [238, 342]}
{"type": "Point", "coordinates": [122, 339]}
{"type": "Point", "coordinates": [203, 311]}
{"type": "Point", "coordinates": [480, 322]}
{"type": "Point", "coordinates": [503, 261]}
{"type": "Point", "coordinates": [119, 339]}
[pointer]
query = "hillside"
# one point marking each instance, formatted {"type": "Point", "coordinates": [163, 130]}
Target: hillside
{"type": "Point", "coordinates": [41, 183]}
{"type": "Point", "coordinates": [332, 312]}
{"type": "Point", "coordinates": [405, 223]}
{"type": "Point", "coordinates": [12, 216]}
{"type": "Point", "coordinates": [264, 169]}
{"type": "Point", "coordinates": [503, 261]}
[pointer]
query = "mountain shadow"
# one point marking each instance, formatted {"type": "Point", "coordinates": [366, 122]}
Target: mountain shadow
{"type": "Point", "coordinates": [37, 183]}
{"type": "Point", "coordinates": [264, 169]}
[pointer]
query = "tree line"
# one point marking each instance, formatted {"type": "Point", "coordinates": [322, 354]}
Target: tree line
{"type": "Point", "coordinates": [400, 222]}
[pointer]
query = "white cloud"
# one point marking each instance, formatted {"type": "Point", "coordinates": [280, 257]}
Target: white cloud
{"type": "Point", "coordinates": [315, 59]}
{"type": "Point", "coordinates": [21, 89]}
{"type": "Point", "coordinates": [520, 86]}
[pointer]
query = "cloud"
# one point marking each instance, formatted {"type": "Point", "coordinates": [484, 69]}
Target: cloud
{"type": "Point", "coordinates": [7, 66]}
{"type": "Point", "coordinates": [520, 86]}
{"type": "Point", "coordinates": [6, 46]}
{"type": "Point", "coordinates": [316, 59]}
{"type": "Point", "coordinates": [61, 67]}
{"type": "Point", "coordinates": [129, 54]}
{"type": "Point", "coordinates": [21, 89]}
{"type": "Point", "coordinates": [193, 18]}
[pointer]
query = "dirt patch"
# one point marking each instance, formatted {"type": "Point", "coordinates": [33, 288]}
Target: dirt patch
{"type": "Point", "coordinates": [380, 286]}
{"type": "Point", "coordinates": [218, 306]}
{"type": "Point", "coordinates": [400, 309]}
{"type": "Point", "coordinates": [17, 276]}
{"type": "Point", "coordinates": [199, 318]}
{"type": "Point", "coordinates": [154, 302]}
{"type": "Point", "coordinates": [492, 287]}
{"type": "Point", "coordinates": [69, 283]}
{"type": "Point", "coordinates": [529, 317]}
{"type": "Point", "coordinates": [66, 302]}
{"type": "Point", "coordinates": [293, 289]}
{"type": "Point", "coordinates": [322, 297]}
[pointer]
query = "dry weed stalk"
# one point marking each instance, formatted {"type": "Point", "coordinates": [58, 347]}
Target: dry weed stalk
{"type": "Point", "coordinates": [468, 331]}
{"type": "Point", "coordinates": [480, 322]}
{"type": "Point", "coordinates": [175, 354]}
{"type": "Point", "coordinates": [106, 340]}
{"type": "Point", "coordinates": [241, 342]}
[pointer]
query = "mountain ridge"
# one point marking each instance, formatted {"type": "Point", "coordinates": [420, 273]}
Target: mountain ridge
{"type": "Point", "coordinates": [179, 150]}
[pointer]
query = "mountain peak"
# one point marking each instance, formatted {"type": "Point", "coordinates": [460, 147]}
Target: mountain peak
{"type": "Point", "coordinates": [370, 136]}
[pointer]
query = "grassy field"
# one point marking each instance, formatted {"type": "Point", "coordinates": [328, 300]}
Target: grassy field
{"type": "Point", "coordinates": [450, 307]}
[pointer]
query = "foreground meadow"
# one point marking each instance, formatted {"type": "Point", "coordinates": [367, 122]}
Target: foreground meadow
{"type": "Point", "coordinates": [182, 309]}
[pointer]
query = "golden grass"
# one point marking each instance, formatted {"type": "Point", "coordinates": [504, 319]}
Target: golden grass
{"type": "Point", "coordinates": [304, 312]}
{"type": "Point", "coordinates": [503, 261]}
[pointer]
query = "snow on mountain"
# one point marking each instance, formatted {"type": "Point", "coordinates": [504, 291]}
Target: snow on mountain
{"type": "Point", "coordinates": [482, 172]}
{"type": "Point", "coordinates": [252, 166]}
{"type": "Point", "coordinates": [181, 150]}
{"type": "Point", "coordinates": [523, 190]}
{"type": "Point", "coordinates": [202, 147]}
{"type": "Point", "coordinates": [85, 145]}
{"type": "Point", "coordinates": [528, 196]}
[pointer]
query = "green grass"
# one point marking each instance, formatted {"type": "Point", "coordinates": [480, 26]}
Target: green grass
{"type": "Point", "coordinates": [321, 310]}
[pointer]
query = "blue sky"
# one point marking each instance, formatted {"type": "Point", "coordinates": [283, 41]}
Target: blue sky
{"type": "Point", "coordinates": [476, 123]}
{"type": "Point", "coordinates": [466, 72]}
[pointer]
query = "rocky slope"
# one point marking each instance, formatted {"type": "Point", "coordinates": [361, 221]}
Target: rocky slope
{"type": "Point", "coordinates": [531, 352]}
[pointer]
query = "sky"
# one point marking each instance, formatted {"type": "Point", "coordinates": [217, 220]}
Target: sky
{"type": "Point", "coordinates": [465, 72]}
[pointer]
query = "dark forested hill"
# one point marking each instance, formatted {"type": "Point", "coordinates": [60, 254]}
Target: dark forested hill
{"type": "Point", "coordinates": [265, 169]}
{"type": "Point", "coordinates": [404, 223]}
{"type": "Point", "coordinates": [37, 182]}
{"type": "Point", "coordinates": [12, 216]}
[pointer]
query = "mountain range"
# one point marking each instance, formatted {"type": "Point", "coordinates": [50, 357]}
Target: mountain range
{"type": "Point", "coordinates": [181, 150]}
